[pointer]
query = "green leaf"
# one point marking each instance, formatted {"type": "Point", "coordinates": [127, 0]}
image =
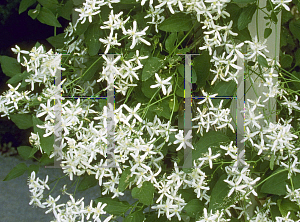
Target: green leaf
{"type": "Point", "coordinates": [218, 197]}
{"type": "Point", "coordinates": [275, 184]}
{"type": "Point", "coordinates": [81, 28]}
{"type": "Point", "coordinates": [113, 206]}
{"type": "Point", "coordinates": [92, 66]}
{"type": "Point", "coordinates": [17, 78]}
{"type": "Point", "coordinates": [246, 16]}
{"type": "Point", "coordinates": [286, 206]}
{"type": "Point", "coordinates": [144, 194]}
{"type": "Point", "coordinates": [148, 92]}
{"type": "Point", "coordinates": [45, 160]}
{"type": "Point", "coordinates": [125, 179]}
{"type": "Point", "coordinates": [87, 182]}
{"type": "Point", "coordinates": [47, 17]}
{"type": "Point", "coordinates": [137, 216]}
{"type": "Point", "coordinates": [210, 139]}
{"type": "Point", "coordinates": [173, 105]}
{"type": "Point", "coordinates": [193, 207]}
{"type": "Point", "coordinates": [272, 162]}
{"type": "Point", "coordinates": [25, 4]}
{"type": "Point", "coordinates": [170, 42]}
{"type": "Point", "coordinates": [224, 89]}
{"type": "Point", "coordinates": [24, 151]}
{"type": "Point", "coordinates": [33, 167]}
{"type": "Point", "coordinates": [162, 109]}
{"type": "Point", "coordinates": [10, 66]}
{"type": "Point", "coordinates": [274, 17]}
{"type": "Point", "coordinates": [296, 181]}
{"type": "Point", "coordinates": [297, 57]}
{"type": "Point", "coordinates": [180, 69]}
{"type": "Point", "coordinates": [23, 121]}
{"type": "Point", "coordinates": [262, 61]}
{"type": "Point", "coordinates": [17, 171]}
{"type": "Point", "coordinates": [66, 10]}
{"type": "Point", "coordinates": [243, 1]}
{"type": "Point", "coordinates": [176, 23]}
{"type": "Point", "coordinates": [294, 27]}
{"type": "Point", "coordinates": [92, 36]}
{"type": "Point", "coordinates": [202, 65]}
{"type": "Point", "coordinates": [33, 151]}
{"type": "Point", "coordinates": [267, 32]}
{"type": "Point", "coordinates": [33, 13]}
{"type": "Point", "coordinates": [46, 142]}
{"type": "Point", "coordinates": [52, 5]}
{"type": "Point", "coordinates": [187, 194]}
{"type": "Point", "coordinates": [57, 41]}
{"type": "Point", "coordinates": [152, 65]}
{"type": "Point", "coordinates": [286, 61]}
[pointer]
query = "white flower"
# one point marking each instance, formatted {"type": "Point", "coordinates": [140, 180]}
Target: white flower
{"type": "Point", "coordinates": [161, 83]}
{"type": "Point", "coordinates": [136, 36]}
{"type": "Point", "coordinates": [18, 51]}
{"type": "Point", "coordinates": [279, 3]}
{"type": "Point", "coordinates": [183, 140]}
{"type": "Point", "coordinates": [133, 112]}
{"type": "Point", "coordinates": [207, 98]}
{"type": "Point", "coordinates": [208, 157]}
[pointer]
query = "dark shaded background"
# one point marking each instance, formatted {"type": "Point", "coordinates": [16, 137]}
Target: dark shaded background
{"type": "Point", "coordinates": [23, 31]}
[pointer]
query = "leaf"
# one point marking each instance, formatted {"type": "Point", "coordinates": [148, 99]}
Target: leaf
{"type": "Point", "coordinates": [294, 27]}
{"type": "Point", "coordinates": [33, 13]}
{"type": "Point", "coordinates": [212, 138]}
{"type": "Point", "coordinates": [193, 207]}
{"type": "Point", "coordinates": [47, 17]}
{"type": "Point", "coordinates": [148, 92]}
{"type": "Point", "coordinates": [25, 4]}
{"type": "Point", "coordinates": [202, 65]}
{"type": "Point", "coordinates": [152, 65]}
{"type": "Point", "coordinates": [81, 28]}
{"type": "Point", "coordinates": [180, 70]}
{"type": "Point", "coordinates": [137, 216]}
{"type": "Point", "coordinates": [45, 160]}
{"type": "Point", "coordinates": [66, 10]}
{"type": "Point", "coordinates": [57, 41]}
{"type": "Point", "coordinates": [46, 142]}
{"type": "Point", "coordinates": [274, 17]}
{"type": "Point", "coordinates": [224, 89]}
{"type": "Point", "coordinates": [246, 16]}
{"type": "Point", "coordinates": [87, 182]}
{"type": "Point", "coordinates": [275, 184]}
{"type": "Point", "coordinates": [262, 61]}
{"type": "Point", "coordinates": [144, 194]}
{"type": "Point", "coordinates": [267, 32]}
{"type": "Point", "coordinates": [187, 194]}
{"type": "Point", "coordinates": [92, 66]}
{"type": "Point", "coordinates": [170, 42]}
{"type": "Point", "coordinates": [113, 206]}
{"type": "Point", "coordinates": [219, 193]}
{"type": "Point", "coordinates": [244, 1]}
{"type": "Point", "coordinates": [297, 57]}
{"type": "Point", "coordinates": [173, 105]}
{"type": "Point", "coordinates": [52, 5]}
{"type": "Point", "coordinates": [296, 181]}
{"type": "Point", "coordinates": [92, 36]}
{"type": "Point", "coordinates": [18, 77]}
{"type": "Point", "coordinates": [17, 171]}
{"type": "Point", "coordinates": [23, 121]}
{"type": "Point", "coordinates": [272, 162]}
{"type": "Point", "coordinates": [286, 206]}
{"type": "Point", "coordinates": [10, 66]}
{"type": "Point", "coordinates": [286, 61]}
{"type": "Point", "coordinates": [162, 109]}
{"type": "Point", "coordinates": [24, 152]}
{"type": "Point", "coordinates": [33, 167]}
{"type": "Point", "coordinates": [125, 179]}
{"type": "Point", "coordinates": [176, 23]}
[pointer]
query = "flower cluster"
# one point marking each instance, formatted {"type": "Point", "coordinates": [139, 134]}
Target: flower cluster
{"type": "Point", "coordinates": [73, 210]}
